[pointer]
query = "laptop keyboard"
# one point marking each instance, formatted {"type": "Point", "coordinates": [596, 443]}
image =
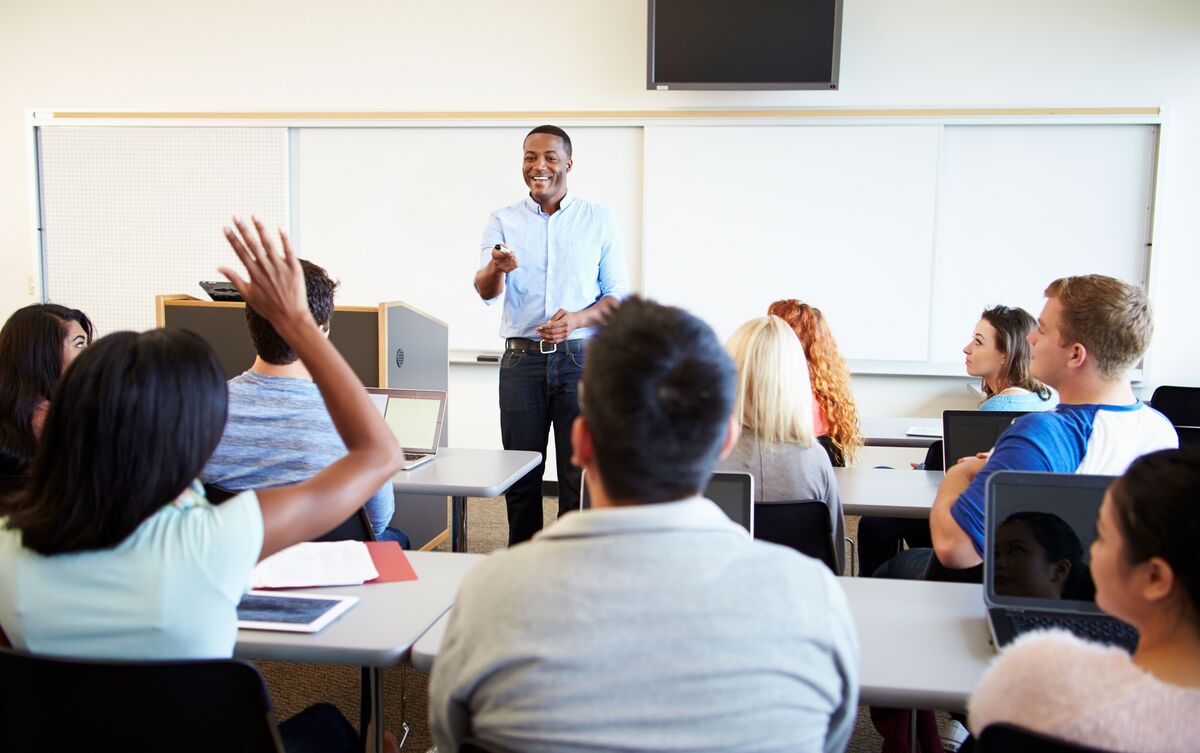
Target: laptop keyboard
{"type": "Point", "coordinates": [415, 455]}
{"type": "Point", "coordinates": [1111, 631]}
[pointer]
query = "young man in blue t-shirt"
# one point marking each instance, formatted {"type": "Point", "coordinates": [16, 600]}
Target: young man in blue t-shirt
{"type": "Point", "coordinates": [1091, 332]}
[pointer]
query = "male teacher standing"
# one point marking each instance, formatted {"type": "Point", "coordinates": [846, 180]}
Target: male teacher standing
{"type": "Point", "coordinates": [559, 262]}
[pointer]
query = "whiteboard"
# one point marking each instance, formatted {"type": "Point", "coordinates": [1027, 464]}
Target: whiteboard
{"type": "Point", "coordinates": [128, 213]}
{"type": "Point", "coordinates": [901, 234]}
{"type": "Point", "coordinates": [1021, 206]}
{"type": "Point", "coordinates": [397, 213]}
{"type": "Point", "coordinates": [838, 216]}
{"type": "Point", "coordinates": [900, 230]}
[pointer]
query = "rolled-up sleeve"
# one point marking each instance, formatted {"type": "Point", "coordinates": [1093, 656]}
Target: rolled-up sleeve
{"type": "Point", "coordinates": [493, 233]}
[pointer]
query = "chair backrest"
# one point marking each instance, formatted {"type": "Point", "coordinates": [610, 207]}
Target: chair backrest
{"type": "Point", "coordinates": [1181, 405]}
{"type": "Point", "coordinates": [933, 457]}
{"type": "Point", "coordinates": [1189, 436]}
{"type": "Point", "coordinates": [185, 707]}
{"type": "Point", "coordinates": [1002, 738]}
{"type": "Point", "coordinates": [803, 525]}
{"type": "Point", "coordinates": [357, 527]}
{"type": "Point", "coordinates": [836, 457]}
{"type": "Point", "coordinates": [936, 571]}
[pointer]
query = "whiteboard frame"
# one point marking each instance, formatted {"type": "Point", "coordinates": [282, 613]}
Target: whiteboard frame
{"type": "Point", "coordinates": [44, 117]}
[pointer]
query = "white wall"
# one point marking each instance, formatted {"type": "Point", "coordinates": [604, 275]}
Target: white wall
{"type": "Point", "coordinates": [590, 55]}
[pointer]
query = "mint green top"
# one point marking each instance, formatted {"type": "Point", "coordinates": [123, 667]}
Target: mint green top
{"type": "Point", "coordinates": [168, 591]}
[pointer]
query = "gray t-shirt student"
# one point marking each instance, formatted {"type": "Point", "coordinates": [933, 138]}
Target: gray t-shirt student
{"type": "Point", "coordinates": [279, 432]}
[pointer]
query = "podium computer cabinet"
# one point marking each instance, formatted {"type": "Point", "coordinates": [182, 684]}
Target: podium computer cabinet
{"type": "Point", "coordinates": [390, 345]}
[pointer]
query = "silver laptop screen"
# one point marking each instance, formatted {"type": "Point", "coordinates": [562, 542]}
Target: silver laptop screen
{"type": "Point", "coordinates": [1040, 528]}
{"type": "Point", "coordinates": [414, 421]}
{"type": "Point", "coordinates": [734, 494]}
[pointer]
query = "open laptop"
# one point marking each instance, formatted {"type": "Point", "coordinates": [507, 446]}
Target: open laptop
{"type": "Point", "coordinates": [732, 492]}
{"type": "Point", "coordinates": [967, 432]}
{"type": "Point", "coordinates": [415, 418]}
{"type": "Point", "coordinates": [1023, 593]}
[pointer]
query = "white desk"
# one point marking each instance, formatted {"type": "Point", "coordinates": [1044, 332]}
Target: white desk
{"type": "Point", "coordinates": [892, 432]}
{"type": "Point", "coordinates": [887, 492]}
{"type": "Point", "coordinates": [460, 473]}
{"type": "Point", "coordinates": [923, 645]}
{"type": "Point", "coordinates": [377, 632]}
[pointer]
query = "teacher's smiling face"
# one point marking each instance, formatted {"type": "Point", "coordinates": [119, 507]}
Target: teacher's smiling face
{"type": "Point", "coordinates": [545, 168]}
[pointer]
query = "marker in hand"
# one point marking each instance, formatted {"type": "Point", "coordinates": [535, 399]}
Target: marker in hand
{"type": "Point", "coordinates": [504, 259]}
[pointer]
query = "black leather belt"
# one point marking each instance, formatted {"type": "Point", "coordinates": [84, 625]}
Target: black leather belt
{"type": "Point", "coordinates": [525, 345]}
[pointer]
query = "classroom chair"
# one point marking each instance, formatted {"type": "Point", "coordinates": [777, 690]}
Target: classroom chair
{"type": "Point", "coordinates": [134, 707]}
{"type": "Point", "coordinates": [1181, 405]}
{"type": "Point", "coordinates": [357, 527]}
{"type": "Point", "coordinates": [936, 571]}
{"type": "Point", "coordinates": [803, 525]}
{"type": "Point", "coordinates": [1002, 738]}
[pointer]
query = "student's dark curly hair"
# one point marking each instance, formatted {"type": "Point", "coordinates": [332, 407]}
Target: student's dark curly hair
{"type": "Point", "coordinates": [1156, 508]}
{"type": "Point", "coordinates": [31, 363]}
{"type": "Point", "coordinates": [267, 343]}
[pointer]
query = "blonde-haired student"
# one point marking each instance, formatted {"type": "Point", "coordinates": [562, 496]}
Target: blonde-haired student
{"type": "Point", "coordinates": [773, 405]}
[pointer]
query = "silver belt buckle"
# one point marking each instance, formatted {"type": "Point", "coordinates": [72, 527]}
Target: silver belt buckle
{"type": "Point", "coordinates": [542, 347]}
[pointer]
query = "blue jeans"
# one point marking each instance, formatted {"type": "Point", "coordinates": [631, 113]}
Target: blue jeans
{"type": "Point", "coordinates": [539, 391]}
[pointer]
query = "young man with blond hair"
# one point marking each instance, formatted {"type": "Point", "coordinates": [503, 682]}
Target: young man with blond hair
{"type": "Point", "coordinates": [1092, 330]}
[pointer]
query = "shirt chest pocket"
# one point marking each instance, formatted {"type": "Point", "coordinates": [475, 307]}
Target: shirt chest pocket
{"type": "Point", "coordinates": [574, 268]}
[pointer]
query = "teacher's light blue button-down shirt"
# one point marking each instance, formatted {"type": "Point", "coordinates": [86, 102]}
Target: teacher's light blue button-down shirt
{"type": "Point", "coordinates": [570, 260]}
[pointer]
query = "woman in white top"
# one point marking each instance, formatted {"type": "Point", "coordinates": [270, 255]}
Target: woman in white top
{"type": "Point", "coordinates": [1146, 566]}
{"type": "Point", "coordinates": [774, 406]}
{"type": "Point", "coordinates": [111, 550]}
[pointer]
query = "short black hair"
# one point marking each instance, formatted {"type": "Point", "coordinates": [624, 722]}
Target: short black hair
{"type": "Point", "coordinates": [1155, 505]}
{"type": "Point", "coordinates": [657, 394]}
{"type": "Point", "coordinates": [131, 424]}
{"type": "Point", "coordinates": [267, 343]}
{"type": "Point", "coordinates": [31, 363]}
{"type": "Point", "coordinates": [551, 130]}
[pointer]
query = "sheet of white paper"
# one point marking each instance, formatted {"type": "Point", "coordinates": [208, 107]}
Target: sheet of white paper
{"type": "Point", "coordinates": [318, 563]}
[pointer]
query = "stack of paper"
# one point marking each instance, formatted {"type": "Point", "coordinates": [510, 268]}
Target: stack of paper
{"type": "Point", "coordinates": [321, 563]}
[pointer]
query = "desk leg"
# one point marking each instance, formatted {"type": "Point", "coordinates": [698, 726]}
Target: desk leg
{"type": "Point", "coordinates": [458, 524]}
{"type": "Point", "coordinates": [371, 710]}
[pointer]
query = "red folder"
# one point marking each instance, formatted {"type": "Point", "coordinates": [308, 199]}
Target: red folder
{"type": "Point", "coordinates": [390, 561]}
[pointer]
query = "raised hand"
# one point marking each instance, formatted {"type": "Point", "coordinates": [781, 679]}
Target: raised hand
{"type": "Point", "coordinates": [276, 287]}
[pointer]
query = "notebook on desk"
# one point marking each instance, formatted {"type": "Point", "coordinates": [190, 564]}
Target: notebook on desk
{"type": "Point", "coordinates": [1024, 589]}
{"type": "Point", "coordinates": [415, 418]}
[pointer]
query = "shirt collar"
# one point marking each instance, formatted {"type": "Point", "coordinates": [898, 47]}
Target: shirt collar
{"type": "Point", "coordinates": [534, 207]}
{"type": "Point", "coordinates": [692, 514]}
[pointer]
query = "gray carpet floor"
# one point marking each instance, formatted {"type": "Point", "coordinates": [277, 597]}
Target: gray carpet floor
{"type": "Point", "coordinates": [295, 686]}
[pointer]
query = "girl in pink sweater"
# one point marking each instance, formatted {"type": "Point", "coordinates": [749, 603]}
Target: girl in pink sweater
{"type": "Point", "coordinates": [1146, 565]}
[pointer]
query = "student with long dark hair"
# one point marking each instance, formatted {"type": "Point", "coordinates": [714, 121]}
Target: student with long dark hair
{"type": "Point", "coordinates": [36, 345]}
{"type": "Point", "coordinates": [1146, 567]}
{"type": "Point", "coordinates": [111, 550]}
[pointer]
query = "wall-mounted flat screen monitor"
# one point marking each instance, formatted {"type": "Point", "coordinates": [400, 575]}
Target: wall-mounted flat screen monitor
{"type": "Point", "coordinates": [743, 44]}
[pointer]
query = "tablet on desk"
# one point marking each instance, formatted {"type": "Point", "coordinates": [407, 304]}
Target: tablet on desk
{"type": "Point", "coordinates": [292, 613]}
{"type": "Point", "coordinates": [924, 431]}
